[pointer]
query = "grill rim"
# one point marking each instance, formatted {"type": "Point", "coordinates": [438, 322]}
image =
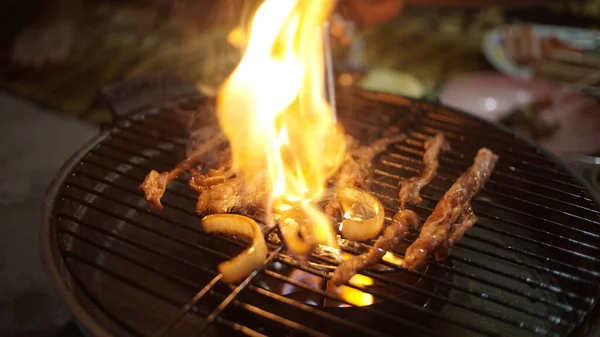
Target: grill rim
{"type": "Point", "coordinates": [56, 268]}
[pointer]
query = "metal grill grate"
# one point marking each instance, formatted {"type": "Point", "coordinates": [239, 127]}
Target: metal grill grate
{"type": "Point", "coordinates": [529, 267]}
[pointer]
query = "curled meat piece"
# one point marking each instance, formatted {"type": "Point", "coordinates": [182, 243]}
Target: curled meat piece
{"type": "Point", "coordinates": [357, 165]}
{"type": "Point", "coordinates": [154, 186]}
{"type": "Point", "coordinates": [227, 196]}
{"type": "Point", "coordinates": [450, 209]}
{"type": "Point", "coordinates": [466, 221]}
{"type": "Point", "coordinates": [410, 188]}
{"type": "Point", "coordinates": [390, 239]}
{"type": "Point", "coordinates": [201, 182]}
{"type": "Point", "coordinates": [155, 183]}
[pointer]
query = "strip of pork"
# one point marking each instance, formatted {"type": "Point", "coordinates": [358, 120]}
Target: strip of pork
{"type": "Point", "coordinates": [155, 184]}
{"type": "Point", "coordinates": [410, 188]}
{"type": "Point", "coordinates": [450, 209]}
{"type": "Point", "coordinates": [390, 239]}
{"type": "Point", "coordinates": [467, 220]}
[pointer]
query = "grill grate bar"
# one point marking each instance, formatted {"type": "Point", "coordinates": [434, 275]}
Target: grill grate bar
{"type": "Point", "coordinates": [288, 323]}
{"type": "Point", "coordinates": [551, 318]}
{"type": "Point", "coordinates": [315, 311]}
{"type": "Point", "coordinates": [91, 162]}
{"type": "Point", "coordinates": [146, 211]}
{"type": "Point", "coordinates": [172, 152]}
{"type": "Point", "coordinates": [134, 243]}
{"type": "Point", "coordinates": [376, 276]}
{"type": "Point", "coordinates": [158, 139]}
{"type": "Point", "coordinates": [166, 164]}
{"type": "Point", "coordinates": [540, 180]}
{"type": "Point", "coordinates": [412, 160]}
{"type": "Point", "coordinates": [502, 194]}
{"type": "Point", "coordinates": [501, 257]}
{"type": "Point", "coordinates": [83, 285]}
{"type": "Point", "coordinates": [158, 132]}
{"type": "Point", "coordinates": [509, 321]}
{"type": "Point", "coordinates": [200, 294]}
{"type": "Point", "coordinates": [493, 217]}
{"type": "Point", "coordinates": [462, 133]}
{"type": "Point", "coordinates": [565, 307]}
{"type": "Point", "coordinates": [129, 259]}
{"type": "Point", "coordinates": [196, 298]}
{"type": "Point", "coordinates": [403, 167]}
{"type": "Point", "coordinates": [213, 315]}
{"type": "Point", "coordinates": [532, 283]}
{"type": "Point", "coordinates": [460, 138]}
{"type": "Point", "coordinates": [325, 294]}
{"type": "Point", "coordinates": [509, 196]}
{"type": "Point", "coordinates": [193, 214]}
{"type": "Point", "coordinates": [510, 210]}
{"type": "Point", "coordinates": [518, 180]}
{"type": "Point", "coordinates": [527, 253]}
{"type": "Point", "coordinates": [420, 153]}
{"type": "Point", "coordinates": [238, 327]}
{"type": "Point", "coordinates": [385, 296]}
{"type": "Point", "coordinates": [458, 149]}
{"type": "Point", "coordinates": [139, 225]}
{"type": "Point", "coordinates": [404, 287]}
{"type": "Point", "coordinates": [143, 288]}
{"type": "Point", "coordinates": [492, 182]}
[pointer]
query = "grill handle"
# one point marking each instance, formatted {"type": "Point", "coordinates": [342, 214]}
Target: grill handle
{"type": "Point", "coordinates": [153, 90]}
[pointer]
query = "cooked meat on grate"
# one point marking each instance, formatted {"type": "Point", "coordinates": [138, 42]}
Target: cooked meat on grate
{"type": "Point", "coordinates": [227, 196]}
{"type": "Point", "coordinates": [390, 239]}
{"type": "Point", "coordinates": [410, 188]}
{"type": "Point", "coordinates": [450, 209]}
{"type": "Point", "coordinates": [356, 168]}
{"type": "Point", "coordinates": [357, 165]}
{"type": "Point", "coordinates": [466, 221]}
{"type": "Point", "coordinates": [155, 184]}
{"type": "Point", "coordinates": [201, 182]}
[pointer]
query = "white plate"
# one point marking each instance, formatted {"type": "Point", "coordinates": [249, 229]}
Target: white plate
{"type": "Point", "coordinates": [495, 54]}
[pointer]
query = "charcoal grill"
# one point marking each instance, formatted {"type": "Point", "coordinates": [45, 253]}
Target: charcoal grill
{"type": "Point", "coordinates": [529, 267]}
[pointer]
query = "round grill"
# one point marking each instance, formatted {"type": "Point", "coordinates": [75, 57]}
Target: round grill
{"type": "Point", "coordinates": [529, 267]}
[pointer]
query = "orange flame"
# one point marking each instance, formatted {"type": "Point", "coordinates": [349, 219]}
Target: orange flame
{"type": "Point", "coordinates": [272, 110]}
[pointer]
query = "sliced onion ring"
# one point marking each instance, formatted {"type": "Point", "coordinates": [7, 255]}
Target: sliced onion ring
{"type": "Point", "coordinates": [298, 239]}
{"type": "Point", "coordinates": [246, 262]}
{"type": "Point", "coordinates": [297, 246]}
{"type": "Point", "coordinates": [363, 214]}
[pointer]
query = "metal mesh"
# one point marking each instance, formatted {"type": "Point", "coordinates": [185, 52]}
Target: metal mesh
{"type": "Point", "coordinates": [529, 267]}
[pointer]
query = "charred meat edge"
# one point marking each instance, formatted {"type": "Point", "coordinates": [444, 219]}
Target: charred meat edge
{"type": "Point", "coordinates": [449, 210]}
{"type": "Point", "coordinates": [410, 188]}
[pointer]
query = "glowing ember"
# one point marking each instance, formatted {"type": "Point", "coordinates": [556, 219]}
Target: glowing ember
{"type": "Point", "coordinates": [272, 110]}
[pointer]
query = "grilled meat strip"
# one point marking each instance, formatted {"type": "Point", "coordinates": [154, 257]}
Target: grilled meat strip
{"type": "Point", "coordinates": [410, 188]}
{"type": "Point", "coordinates": [155, 184]}
{"type": "Point", "coordinates": [390, 238]}
{"type": "Point", "coordinates": [450, 209]}
{"type": "Point", "coordinates": [358, 162]}
{"type": "Point", "coordinates": [467, 220]}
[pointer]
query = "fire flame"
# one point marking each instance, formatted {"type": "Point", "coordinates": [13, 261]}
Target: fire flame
{"type": "Point", "coordinates": [280, 128]}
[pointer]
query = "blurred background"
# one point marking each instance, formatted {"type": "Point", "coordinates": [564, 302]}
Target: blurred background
{"type": "Point", "coordinates": [533, 68]}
